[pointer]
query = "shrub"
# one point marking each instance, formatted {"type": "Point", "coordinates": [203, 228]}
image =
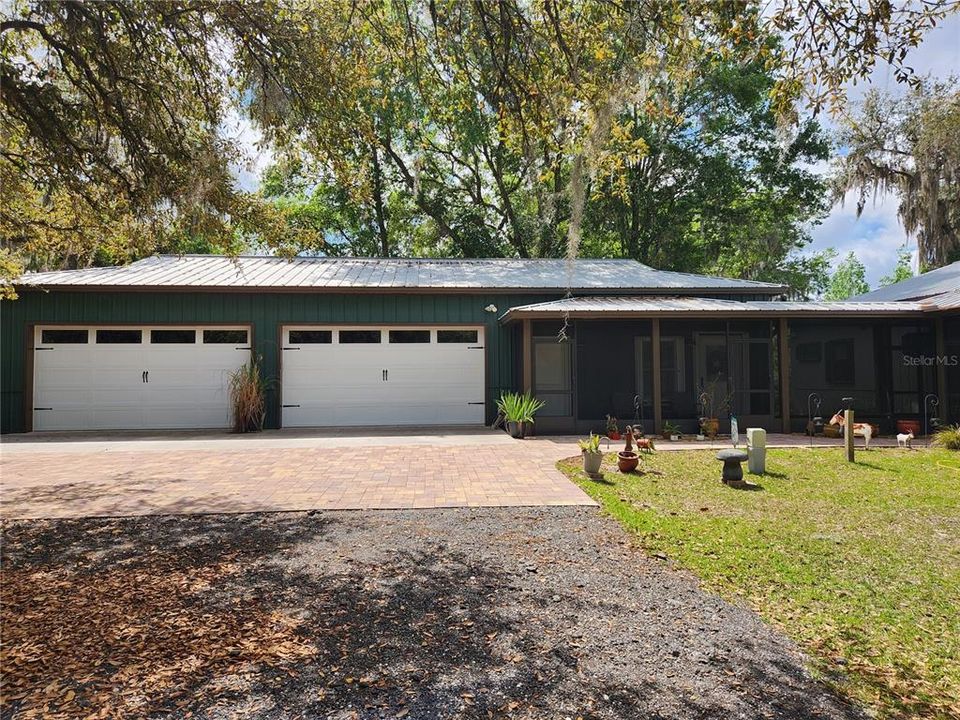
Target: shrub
{"type": "Point", "coordinates": [248, 398]}
{"type": "Point", "coordinates": [948, 437]}
{"type": "Point", "coordinates": [518, 407]}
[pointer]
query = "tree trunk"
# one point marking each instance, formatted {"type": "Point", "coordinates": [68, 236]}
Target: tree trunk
{"type": "Point", "coordinates": [379, 210]}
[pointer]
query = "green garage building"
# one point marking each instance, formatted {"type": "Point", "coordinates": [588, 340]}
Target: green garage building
{"type": "Point", "coordinates": [383, 342]}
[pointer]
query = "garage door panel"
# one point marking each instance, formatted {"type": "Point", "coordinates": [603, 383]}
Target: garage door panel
{"type": "Point", "coordinates": [328, 384]}
{"type": "Point", "coordinates": [101, 386]}
{"type": "Point", "coordinates": [63, 419]}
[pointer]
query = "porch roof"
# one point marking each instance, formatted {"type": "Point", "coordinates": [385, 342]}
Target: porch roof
{"type": "Point", "coordinates": [641, 307]}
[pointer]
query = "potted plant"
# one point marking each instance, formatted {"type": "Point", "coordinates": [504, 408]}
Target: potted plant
{"type": "Point", "coordinates": [518, 411]}
{"type": "Point", "coordinates": [670, 431]}
{"type": "Point", "coordinates": [613, 430]}
{"type": "Point", "coordinates": [592, 457]}
{"type": "Point", "coordinates": [711, 405]}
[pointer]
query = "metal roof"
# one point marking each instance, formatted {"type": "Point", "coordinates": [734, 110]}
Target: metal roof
{"type": "Point", "coordinates": [935, 282]}
{"type": "Point", "coordinates": [698, 307]}
{"type": "Point", "coordinates": [944, 301]}
{"type": "Point", "coordinates": [343, 274]}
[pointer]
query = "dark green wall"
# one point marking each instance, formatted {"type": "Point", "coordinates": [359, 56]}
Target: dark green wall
{"type": "Point", "coordinates": [266, 311]}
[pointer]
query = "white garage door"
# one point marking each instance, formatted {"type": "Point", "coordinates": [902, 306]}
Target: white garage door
{"type": "Point", "coordinates": [120, 378]}
{"type": "Point", "coordinates": [350, 376]}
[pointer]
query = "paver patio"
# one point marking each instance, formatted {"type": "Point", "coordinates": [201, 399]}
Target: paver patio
{"type": "Point", "coordinates": [76, 477]}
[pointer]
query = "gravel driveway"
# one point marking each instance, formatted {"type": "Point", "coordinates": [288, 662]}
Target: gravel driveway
{"type": "Point", "coordinates": [476, 613]}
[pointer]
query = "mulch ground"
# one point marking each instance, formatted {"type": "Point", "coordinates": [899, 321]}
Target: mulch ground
{"type": "Point", "coordinates": [488, 613]}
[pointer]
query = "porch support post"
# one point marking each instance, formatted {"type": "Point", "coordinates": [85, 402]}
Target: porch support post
{"type": "Point", "coordinates": [784, 355]}
{"type": "Point", "coordinates": [655, 351]}
{"type": "Point", "coordinates": [941, 340]}
{"type": "Point", "coordinates": [527, 362]}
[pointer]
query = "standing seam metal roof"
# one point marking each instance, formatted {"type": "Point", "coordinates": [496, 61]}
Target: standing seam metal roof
{"type": "Point", "coordinates": [936, 282]}
{"type": "Point", "coordinates": [207, 271]}
{"type": "Point", "coordinates": [692, 305]}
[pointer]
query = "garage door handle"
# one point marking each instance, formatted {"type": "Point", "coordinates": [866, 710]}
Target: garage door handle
{"type": "Point", "coordinates": [476, 403]}
{"type": "Point", "coordinates": [43, 348]}
{"type": "Point", "coordinates": [475, 347]}
{"type": "Point", "coordinates": [386, 375]}
{"type": "Point", "coordinates": [290, 348]}
{"type": "Point", "coordinates": [43, 408]}
{"type": "Point", "coordinates": [289, 406]}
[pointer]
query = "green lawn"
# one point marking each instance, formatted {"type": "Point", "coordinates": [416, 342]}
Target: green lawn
{"type": "Point", "coordinates": [860, 564]}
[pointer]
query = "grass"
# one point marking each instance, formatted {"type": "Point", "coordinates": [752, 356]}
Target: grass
{"type": "Point", "coordinates": [859, 564]}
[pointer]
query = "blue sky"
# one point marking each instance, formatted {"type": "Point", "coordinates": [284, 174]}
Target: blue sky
{"type": "Point", "coordinates": [875, 237]}
{"type": "Point", "coordinates": [878, 234]}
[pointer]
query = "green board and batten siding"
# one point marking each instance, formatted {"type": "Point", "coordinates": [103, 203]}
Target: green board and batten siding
{"type": "Point", "coordinates": [266, 312]}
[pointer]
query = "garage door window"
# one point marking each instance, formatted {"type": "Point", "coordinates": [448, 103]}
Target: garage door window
{"type": "Point", "coordinates": [409, 336]}
{"type": "Point", "coordinates": [311, 337]}
{"type": "Point", "coordinates": [456, 336]}
{"type": "Point", "coordinates": [64, 337]}
{"type": "Point", "coordinates": [173, 337]}
{"type": "Point", "coordinates": [359, 337]}
{"type": "Point", "coordinates": [119, 337]}
{"type": "Point", "coordinates": [224, 337]}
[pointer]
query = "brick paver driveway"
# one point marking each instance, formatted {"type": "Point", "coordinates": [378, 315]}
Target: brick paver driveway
{"type": "Point", "coordinates": [82, 476]}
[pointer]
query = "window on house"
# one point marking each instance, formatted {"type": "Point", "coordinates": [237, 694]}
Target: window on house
{"type": "Point", "coordinates": [311, 337]}
{"type": "Point", "coordinates": [119, 337]}
{"type": "Point", "coordinates": [173, 337]}
{"type": "Point", "coordinates": [224, 337]}
{"type": "Point", "coordinates": [840, 367]}
{"type": "Point", "coordinates": [409, 336]}
{"type": "Point", "coordinates": [64, 337]}
{"type": "Point", "coordinates": [457, 336]}
{"type": "Point", "coordinates": [359, 337]}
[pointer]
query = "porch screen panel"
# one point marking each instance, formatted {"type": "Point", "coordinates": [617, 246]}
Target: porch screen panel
{"type": "Point", "coordinates": [552, 376]}
{"type": "Point", "coordinates": [951, 403]}
{"type": "Point", "coordinates": [834, 359]}
{"type": "Point", "coordinates": [913, 368]}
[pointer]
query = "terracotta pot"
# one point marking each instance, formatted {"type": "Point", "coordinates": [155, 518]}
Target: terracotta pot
{"type": "Point", "coordinates": [592, 462]}
{"type": "Point", "coordinates": [710, 427]}
{"type": "Point", "coordinates": [627, 461]}
{"type": "Point", "coordinates": [614, 435]}
{"type": "Point", "coordinates": [908, 426]}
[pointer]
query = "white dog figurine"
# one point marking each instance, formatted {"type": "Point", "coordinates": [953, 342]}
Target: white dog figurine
{"type": "Point", "coordinates": [904, 440]}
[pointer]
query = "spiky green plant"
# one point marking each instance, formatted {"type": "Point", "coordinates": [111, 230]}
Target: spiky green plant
{"type": "Point", "coordinates": [519, 407]}
{"type": "Point", "coordinates": [248, 397]}
{"type": "Point", "coordinates": [948, 437]}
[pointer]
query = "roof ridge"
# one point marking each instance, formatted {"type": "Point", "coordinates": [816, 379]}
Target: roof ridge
{"type": "Point", "coordinates": [327, 258]}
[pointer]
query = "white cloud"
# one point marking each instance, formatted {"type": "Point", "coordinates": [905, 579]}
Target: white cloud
{"type": "Point", "coordinates": [874, 237]}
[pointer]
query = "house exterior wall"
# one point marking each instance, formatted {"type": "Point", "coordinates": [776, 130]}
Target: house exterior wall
{"type": "Point", "coordinates": [266, 312]}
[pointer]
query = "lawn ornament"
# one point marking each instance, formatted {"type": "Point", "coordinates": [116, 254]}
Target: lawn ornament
{"type": "Point", "coordinates": [645, 445]}
{"type": "Point", "coordinates": [864, 430]}
{"type": "Point", "coordinates": [904, 440]}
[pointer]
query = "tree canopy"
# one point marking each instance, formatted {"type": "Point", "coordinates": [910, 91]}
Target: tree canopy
{"type": "Point", "coordinates": [908, 145]}
{"type": "Point", "coordinates": [444, 127]}
{"type": "Point", "coordinates": [849, 279]}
